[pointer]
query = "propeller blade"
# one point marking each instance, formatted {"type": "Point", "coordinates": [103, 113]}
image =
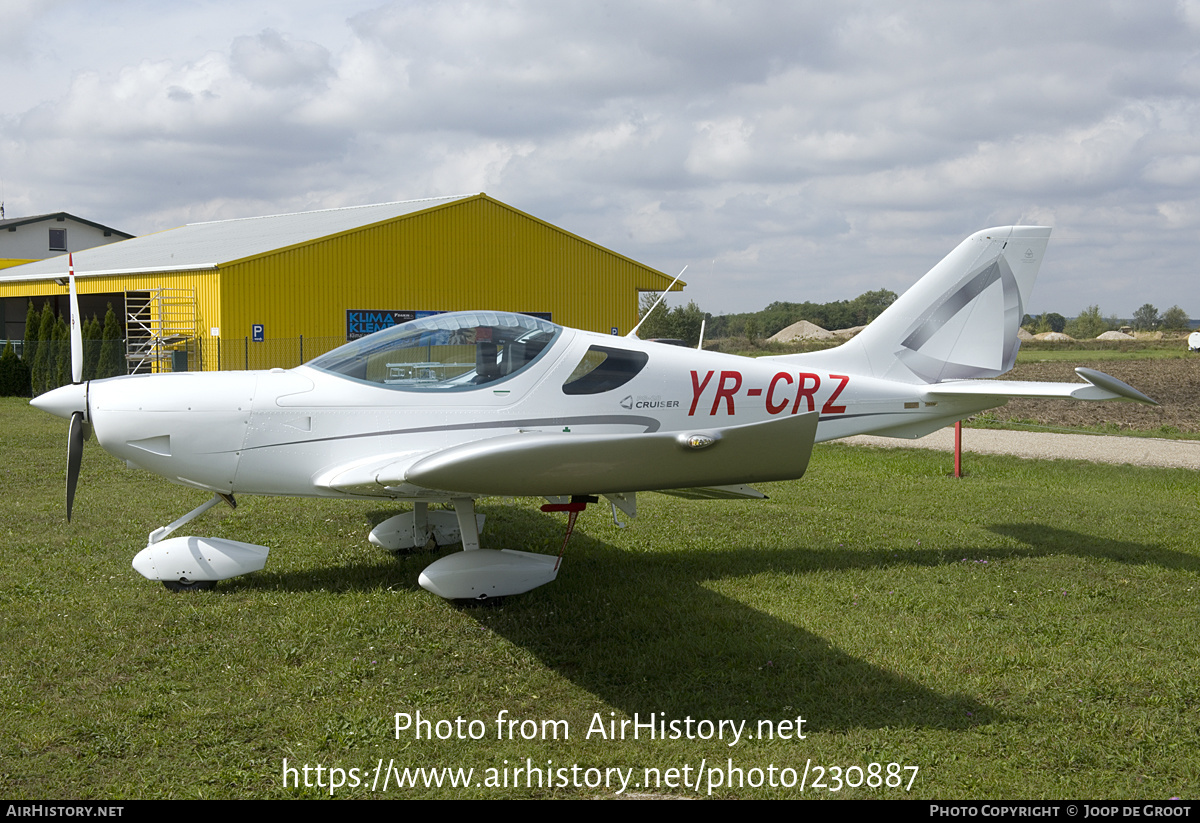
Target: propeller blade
{"type": "Point", "coordinates": [75, 437]}
{"type": "Point", "coordinates": [76, 328]}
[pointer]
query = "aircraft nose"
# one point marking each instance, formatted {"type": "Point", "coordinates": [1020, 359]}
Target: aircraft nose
{"type": "Point", "coordinates": [63, 401]}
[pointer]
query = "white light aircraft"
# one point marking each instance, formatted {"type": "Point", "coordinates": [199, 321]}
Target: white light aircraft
{"type": "Point", "coordinates": [464, 405]}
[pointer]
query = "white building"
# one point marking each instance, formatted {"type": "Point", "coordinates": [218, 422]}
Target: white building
{"type": "Point", "coordinates": [25, 239]}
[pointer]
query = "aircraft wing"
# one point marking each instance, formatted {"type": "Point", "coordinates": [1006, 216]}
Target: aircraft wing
{"type": "Point", "coordinates": [738, 492]}
{"type": "Point", "coordinates": [545, 464]}
{"type": "Point", "coordinates": [373, 477]}
{"type": "Point", "coordinates": [1099, 386]}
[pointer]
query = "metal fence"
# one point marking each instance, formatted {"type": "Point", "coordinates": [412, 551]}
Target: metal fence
{"type": "Point", "coordinates": [235, 354]}
{"type": "Point", "coordinates": [208, 354]}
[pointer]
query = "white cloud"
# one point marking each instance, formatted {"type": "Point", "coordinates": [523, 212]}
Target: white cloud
{"type": "Point", "coordinates": [274, 61]}
{"type": "Point", "coordinates": [822, 148]}
{"type": "Point", "coordinates": [650, 225]}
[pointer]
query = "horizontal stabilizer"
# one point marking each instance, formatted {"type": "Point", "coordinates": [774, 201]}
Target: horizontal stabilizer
{"type": "Point", "coordinates": [1099, 386]}
{"type": "Point", "coordinates": [542, 464]}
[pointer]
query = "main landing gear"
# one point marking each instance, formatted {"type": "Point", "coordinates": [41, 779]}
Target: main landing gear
{"type": "Point", "coordinates": [190, 564]}
{"type": "Point", "coordinates": [421, 529]}
{"type": "Point", "coordinates": [481, 574]}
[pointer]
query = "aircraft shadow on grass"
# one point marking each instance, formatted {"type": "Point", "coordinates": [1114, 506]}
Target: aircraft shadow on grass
{"type": "Point", "coordinates": [668, 643]}
{"type": "Point", "coordinates": [1046, 540]}
{"type": "Point", "coordinates": [645, 634]}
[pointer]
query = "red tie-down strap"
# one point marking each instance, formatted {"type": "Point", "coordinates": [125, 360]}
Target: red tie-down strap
{"type": "Point", "coordinates": [578, 503]}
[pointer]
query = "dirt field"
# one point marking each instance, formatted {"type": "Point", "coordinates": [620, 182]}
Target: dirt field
{"type": "Point", "coordinates": [1174, 383]}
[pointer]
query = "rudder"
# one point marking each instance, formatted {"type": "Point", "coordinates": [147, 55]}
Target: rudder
{"type": "Point", "coordinates": [960, 320]}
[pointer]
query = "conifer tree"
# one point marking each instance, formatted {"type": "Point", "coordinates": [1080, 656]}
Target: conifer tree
{"type": "Point", "coordinates": [42, 367]}
{"type": "Point", "coordinates": [22, 382]}
{"type": "Point", "coordinates": [22, 388]}
{"type": "Point", "coordinates": [8, 370]}
{"type": "Point", "coordinates": [62, 353]}
{"type": "Point", "coordinates": [32, 321]}
{"type": "Point", "coordinates": [112, 350]}
{"type": "Point", "coordinates": [93, 334]}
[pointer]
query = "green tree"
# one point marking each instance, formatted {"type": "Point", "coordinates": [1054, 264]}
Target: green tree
{"type": "Point", "coordinates": [752, 329]}
{"type": "Point", "coordinates": [1089, 324]}
{"type": "Point", "coordinates": [658, 324]}
{"type": "Point", "coordinates": [869, 305]}
{"type": "Point", "coordinates": [42, 366]}
{"type": "Point", "coordinates": [61, 374]}
{"type": "Point", "coordinates": [22, 385]}
{"type": "Point", "coordinates": [1176, 319]}
{"type": "Point", "coordinates": [10, 366]}
{"type": "Point", "coordinates": [686, 322]}
{"type": "Point", "coordinates": [1145, 318]}
{"type": "Point", "coordinates": [680, 323]}
{"type": "Point", "coordinates": [32, 321]}
{"type": "Point", "coordinates": [93, 334]}
{"type": "Point", "coordinates": [112, 349]}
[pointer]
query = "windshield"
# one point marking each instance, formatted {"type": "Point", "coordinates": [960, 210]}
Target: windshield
{"type": "Point", "coordinates": [458, 350]}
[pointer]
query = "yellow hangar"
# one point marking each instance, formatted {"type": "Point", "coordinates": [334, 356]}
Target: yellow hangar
{"type": "Point", "coordinates": [273, 291]}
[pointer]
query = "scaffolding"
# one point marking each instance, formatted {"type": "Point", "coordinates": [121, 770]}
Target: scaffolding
{"type": "Point", "coordinates": [160, 330]}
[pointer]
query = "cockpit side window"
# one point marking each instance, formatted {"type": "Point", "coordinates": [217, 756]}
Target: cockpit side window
{"type": "Point", "coordinates": [603, 369]}
{"type": "Point", "coordinates": [460, 350]}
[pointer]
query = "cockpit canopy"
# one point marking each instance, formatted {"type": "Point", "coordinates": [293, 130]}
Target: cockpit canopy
{"type": "Point", "coordinates": [444, 352]}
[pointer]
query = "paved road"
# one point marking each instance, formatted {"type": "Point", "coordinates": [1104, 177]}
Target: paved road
{"type": "Point", "coordinates": [1139, 451]}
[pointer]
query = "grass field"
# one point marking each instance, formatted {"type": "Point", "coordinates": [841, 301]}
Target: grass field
{"type": "Point", "coordinates": [1029, 631]}
{"type": "Point", "coordinates": [1173, 382]}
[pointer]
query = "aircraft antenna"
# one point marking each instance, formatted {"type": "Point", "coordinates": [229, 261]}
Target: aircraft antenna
{"type": "Point", "coordinates": [711, 272]}
{"type": "Point", "coordinates": [633, 333]}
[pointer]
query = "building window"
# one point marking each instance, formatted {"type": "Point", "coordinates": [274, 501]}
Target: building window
{"type": "Point", "coordinates": [58, 239]}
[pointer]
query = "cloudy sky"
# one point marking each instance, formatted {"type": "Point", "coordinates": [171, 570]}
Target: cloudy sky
{"type": "Point", "coordinates": [783, 150]}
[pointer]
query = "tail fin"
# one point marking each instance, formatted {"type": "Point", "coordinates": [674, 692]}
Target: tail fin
{"type": "Point", "coordinates": [960, 320]}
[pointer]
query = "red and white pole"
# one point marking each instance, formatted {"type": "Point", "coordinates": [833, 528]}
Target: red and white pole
{"type": "Point", "coordinates": [958, 448]}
